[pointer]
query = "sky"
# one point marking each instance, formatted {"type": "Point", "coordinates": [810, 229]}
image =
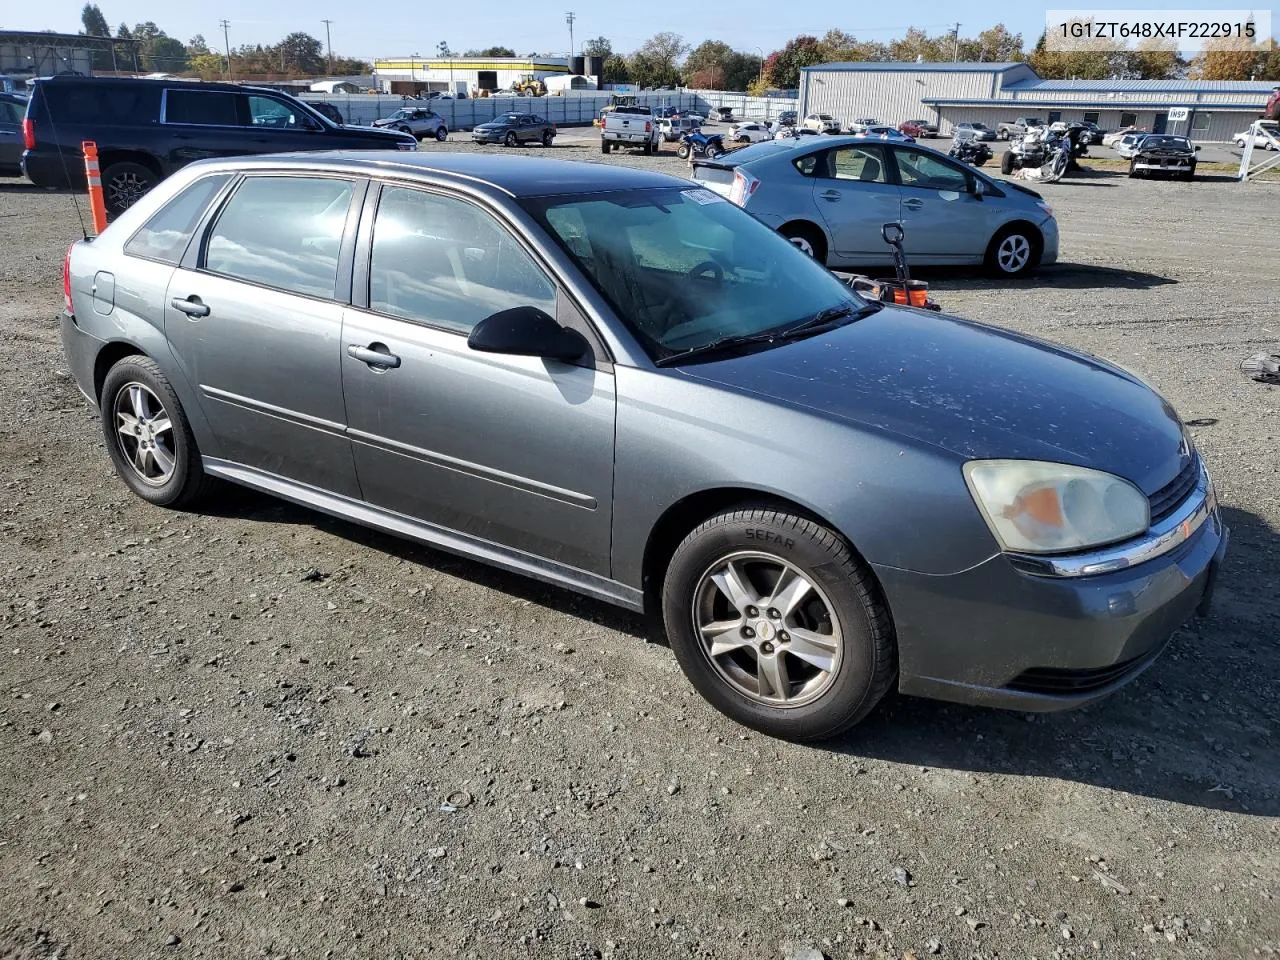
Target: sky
{"type": "Point", "coordinates": [400, 27]}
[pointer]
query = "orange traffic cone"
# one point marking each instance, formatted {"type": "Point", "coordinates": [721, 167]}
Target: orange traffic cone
{"type": "Point", "coordinates": [97, 204]}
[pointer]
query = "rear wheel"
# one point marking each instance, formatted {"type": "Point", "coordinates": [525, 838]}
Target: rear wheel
{"type": "Point", "coordinates": [1006, 162]}
{"type": "Point", "coordinates": [807, 239]}
{"type": "Point", "coordinates": [682, 151]}
{"type": "Point", "coordinates": [124, 183]}
{"type": "Point", "coordinates": [1013, 252]}
{"type": "Point", "coordinates": [714, 151]}
{"type": "Point", "coordinates": [777, 624]}
{"type": "Point", "coordinates": [647, 149]}
{"type": "Point", "coordinates": [148, 437]}
{"type": "Point", "coordinates": [604, 146]}
{"type": "Point", "coordinates": [442, 134]}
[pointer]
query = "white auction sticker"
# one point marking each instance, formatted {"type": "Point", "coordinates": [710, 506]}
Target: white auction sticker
{"type": "Point", "coordinates": [704, 196]}
{"type": "Point", "coordinates": [1186, 31]}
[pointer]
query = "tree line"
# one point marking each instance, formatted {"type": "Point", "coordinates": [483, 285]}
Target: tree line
{"type": "Point", "coordinates": [666, 59]}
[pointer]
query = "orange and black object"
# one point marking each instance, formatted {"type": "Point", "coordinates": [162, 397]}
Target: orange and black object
{"type": "Point", "coordinates": [92, 173]}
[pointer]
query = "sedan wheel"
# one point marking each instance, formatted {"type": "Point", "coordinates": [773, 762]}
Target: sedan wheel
{"type": "Point", "coordinates": [1011, 254]}
{"type": "Point", "coordinates": [145, 433]}
{"type": "Point", "coordinates": [511, 139]}
{"type": "Point", "coordinates": [777, 625]}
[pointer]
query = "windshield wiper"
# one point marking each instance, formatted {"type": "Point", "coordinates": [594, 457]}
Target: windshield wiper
{"type": "Point", "coordinates": [820, 321]}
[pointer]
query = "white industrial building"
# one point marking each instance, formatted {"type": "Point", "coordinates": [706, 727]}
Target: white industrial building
{"type": "Point", "coordinates": [467, 76]}
{"type": "Point", "coordinates": [949, 93]}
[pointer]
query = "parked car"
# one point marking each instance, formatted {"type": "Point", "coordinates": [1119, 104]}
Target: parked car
{"type": "Point", "coordinates": [419, 122]}
{"type": "Point", "coordinates": [630, 387]}
{"type": "Point", "coordinates": [1113, 138]}
{"type": "Point", "coordinates": [919, 128]}
{"type": "Point", "coordinates": [673, 128]}
{"type": "Point", "coordinates": [329, 111]}
{"type": "Point", "coordinates": [975, 129]}
{"type": "Point", "coordinates": [821, 123]}
{"type": "Point", "coordinates": [749, 132]}
{"type": "Point", "coordinates": [794, 133]}
{"type": "Point", "coordinates": [862, 123]}
{"type": "Point", "coordinates": [1014, 129]}
{"type": "Point", "coordinates": [885, 132]}
{"type": "Point", "coordinates": [1166, 155]}
{"type": "Point", "coordinates": [1242, 138]}
{"type": "Point", "coordinates": [788, 118]}
{"type": "Point", "coordinates": [632, 127]}
{"type": "Point", "coordinates": [1127, 144]}
{"type": "Point", "coordinates": [830, 198]}
{"type": "Point", "coordinates": [514, 129]}
{"type": "Point", "coordinates": [13, 108]}
{"type": "Point", "coordinates": [147, 129]}
{"type": "Point", "coordinates": [1091, 132]}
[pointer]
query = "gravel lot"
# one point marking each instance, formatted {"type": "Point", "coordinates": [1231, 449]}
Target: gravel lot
{"type": "Point", "coordinates": [258, 732]}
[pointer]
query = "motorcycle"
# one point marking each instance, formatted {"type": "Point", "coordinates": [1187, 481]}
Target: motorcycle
{"type": "Point", "coordinates": [901, 290]}
{"type": "Point", "coordinates": [1262, 368]}
{"type": "Point", "coordinates": [970, 150]}
{"type": "Point", "coordinates": [699, 144]}
{"type": "Point", "coordinates": [1051, 150]}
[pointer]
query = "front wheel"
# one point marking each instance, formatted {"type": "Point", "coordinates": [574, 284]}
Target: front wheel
{"type": "Point", "coordinates": [148, 436]}
{"type": "Point", "coordinates": [777, 624]}
{"type": "Point", "coordinates": [1134, 172]}
{"type": "Point", "coordinates": [1013, 252]}
{"type": "Point", "coordinates": [511, 139]}
{"type": "Point", "coordinates": [807, 239]}
{"type": "Point", "coordinates": [1190, 174]}
{"type": "Point", "coordinates": [682, 151]}
{"type": "Point", "coordinates": [546, 138]}
{"type": "Point", "coordinates": [1006, 162]}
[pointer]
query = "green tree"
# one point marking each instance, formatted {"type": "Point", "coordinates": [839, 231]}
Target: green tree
{"type": "Point", "coordinates": [993, 45]}
{"type": "Point", "coordinates": [491, 52]}
{"type": "Point", "coordinates": [598, 47]}
{"type": "Point", "coordinates": [123, 33]}
{"type": "Point", "coordinates": [442, 48]}
{"type": "Point", "coordinates": [664, 50]}
{"type": "Point", "coordinates": [93, 22]}
{"type": "Point", "coordinates": [196, 45]}
{"type": "Point", "coordinates": [782, 67]}
{"type": "Point", "coordinates": [301, 53]}
{"type": "Point", "coordinates": [616, 70]}
{"type": "Point", "coordinates": [707, 65]}
{"type": "Point", "coordinates": [157, 51]}
{"type": "Point", "coordinates": [1088, 62]}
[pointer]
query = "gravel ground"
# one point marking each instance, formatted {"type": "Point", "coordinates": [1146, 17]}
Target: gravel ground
{"type": "Point", "coordinates": [258, 732]}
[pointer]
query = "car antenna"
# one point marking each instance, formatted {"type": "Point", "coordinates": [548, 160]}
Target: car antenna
{"type": "Point", "coordinates": [44, 101]}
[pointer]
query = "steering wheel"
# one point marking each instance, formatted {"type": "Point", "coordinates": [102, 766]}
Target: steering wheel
{"type": "Point", "coordinates": [707, 270]}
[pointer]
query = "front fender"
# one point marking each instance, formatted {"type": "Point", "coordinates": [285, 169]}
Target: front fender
{"type": "Point", "coordinates": [901, 503]}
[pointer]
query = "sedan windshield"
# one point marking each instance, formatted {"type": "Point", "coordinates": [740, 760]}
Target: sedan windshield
{"type": "Point", "coordinates": [684, 268]}
{"type": "Point", "coordinates": [1177, 142]}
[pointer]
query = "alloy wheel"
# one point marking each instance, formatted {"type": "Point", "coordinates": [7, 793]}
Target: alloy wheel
{"type": "Point", "coordinates": [144, 431]}
{"type": "Point", "coordinates": [125, 189]}
{"type": "Point", "coordinates": [802, 244]}
{"type": "Point", "coordinates": [767, 629]}
{"type": "Point", "coordinates": [1013, 253]}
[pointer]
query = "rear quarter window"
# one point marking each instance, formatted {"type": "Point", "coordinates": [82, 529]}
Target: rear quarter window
{"type": "Point", "coordinates": [98, 102]}
{"type": "Point", "coordinates": [165, 236]}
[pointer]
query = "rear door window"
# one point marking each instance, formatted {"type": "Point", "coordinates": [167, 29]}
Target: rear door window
{"type": "Point", "coordinates": [863, 164]}
{"type": "Point", "coordinates": [97, 101]}
{"type": "Point", "coordinates": [165, 236]}
{"type": "Point", "coordinates": [202, 107]}
{"type": "Point", "coordinates": [282, 232]}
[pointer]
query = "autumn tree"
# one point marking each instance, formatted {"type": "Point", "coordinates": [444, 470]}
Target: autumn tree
{"type": "Point", "coordinates": [782, 67]}
{"type": "Point", "coordinates": [715, 65]}
{"type": "Point", "coordinates": [1218, 61]}
{"type": "Point", "coordinates": [993, 45]}
{"type": "Point", "coordinates": [1154, 60]}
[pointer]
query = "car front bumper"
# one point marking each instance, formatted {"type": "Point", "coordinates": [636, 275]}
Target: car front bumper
{"type": "Point", "coordinates": [998, 636]}
{"type": "Point", "coordinates": [489, 136]}
{"type": "Point", "coordinates": [1049, 249]}
{"type": "Point", "coordinates": [1164, 166]}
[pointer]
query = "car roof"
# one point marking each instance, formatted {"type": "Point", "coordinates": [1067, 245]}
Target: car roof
{"type": "Point", "coordinates": [516, 176]}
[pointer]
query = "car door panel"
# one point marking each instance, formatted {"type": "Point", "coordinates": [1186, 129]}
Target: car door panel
{"type": "Point", "coordinates": [854, 195]}
{"type": "Point", "coordinates": [513, 450]}
{"type": "Point", "coordinates": [942, 219]}
{"type": "Point", "coordinates": [259, 337]}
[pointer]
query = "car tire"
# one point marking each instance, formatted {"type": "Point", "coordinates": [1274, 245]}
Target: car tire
{"type": "Point", "coordinates": [682, 151]}
{"type": "Point", "coordinates": [1134, 172]}
{"type": "Point", "coordinates": [1013, 252]}
{"type": "Point", "coordinates": [647, 148]}
{"type": "Point", "coordinates": [162, 467]}
{"type": "Point", "coordinates": [807, 238]}
{"type": "Point", "coordinates": [714, 152]}
{"type": "Point", "coordinates": [511, 140]}
{"type": "Point", "coordinates": [1006, 162]}
{"type": "Point", "coordinates": [442, 134]}
{"type": "Point", "coordinates": [732, 569]}
{"type": "Point", "coordinates": [547, 138]}
{"type": "Point", "coordinates": [124, 183]}
{"type": "Point", "coordinates": [404, 128]}
{"type": "Point", "coordinates": [604, 146]}
{"type": "Point", "coordinates": [1190, 174]}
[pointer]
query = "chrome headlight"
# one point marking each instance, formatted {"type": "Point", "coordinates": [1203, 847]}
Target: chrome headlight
{"type": "Point", "coordinates": [1035, 507]}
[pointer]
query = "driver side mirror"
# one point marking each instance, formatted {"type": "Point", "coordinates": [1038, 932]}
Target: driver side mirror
{"type": "Point", "coordinates": [1196, 148]}
{"type": "Point", "coordinates": [527, 332]}
{"type": "Point", "coordinates": [892, 233]}
{"type": "Point", "coordinates": [979, 188]}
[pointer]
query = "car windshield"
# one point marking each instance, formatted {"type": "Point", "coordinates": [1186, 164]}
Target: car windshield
{"type": "Point", "coordinates": [1152, 141]}
{"type": "Point", "coordinates": [684, 268]}
{"type": "Point", "coordinates": [978, 126]}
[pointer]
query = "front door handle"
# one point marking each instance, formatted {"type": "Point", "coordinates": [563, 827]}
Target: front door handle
{"type": "Point", "coordinates": [830, 194]}
{"type": "Point", "coordinates": [191, 306]}
{"type": "Point", "coordinates": [374, 357]}
{"type": "Point", "coordinates": [913, 203]}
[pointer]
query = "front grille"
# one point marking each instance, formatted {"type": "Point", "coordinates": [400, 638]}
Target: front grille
{"type": "Point", "coordinates": [1054, 681]}
{"type": "Point", "coordinates": [1171, 496]}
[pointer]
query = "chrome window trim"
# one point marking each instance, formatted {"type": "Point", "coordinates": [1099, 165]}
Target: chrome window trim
{"type": "Point", "coordinates": [1162, 538]}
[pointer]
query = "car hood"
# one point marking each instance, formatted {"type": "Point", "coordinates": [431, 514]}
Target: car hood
{"type": "Point", "coordinates": [493, 125]}
{"type": "Point", "coordinates": [979, 392]}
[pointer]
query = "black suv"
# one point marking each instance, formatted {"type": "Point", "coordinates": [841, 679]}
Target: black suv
{"type": "Point", "coordinates": [146, 129]}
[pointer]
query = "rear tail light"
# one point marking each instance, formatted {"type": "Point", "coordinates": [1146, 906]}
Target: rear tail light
{"type": "Point", "coordinates": [66, 278]}
{"type": "Point", "coordinates": [744, 185]}
{"type": "Point", "coordinates": [28, 134]}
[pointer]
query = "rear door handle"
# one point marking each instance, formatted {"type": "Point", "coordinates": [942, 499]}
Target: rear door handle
{"type": "Point", "coordinates": [830, 195]}
{"type": "Point", "coordinates": [913, 203]}
{"type": "Point", "coordinates": [373, 356]}
{"type": "Point", "coordinates": [191, 306]}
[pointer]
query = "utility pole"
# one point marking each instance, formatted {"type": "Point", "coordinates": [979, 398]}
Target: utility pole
{"type": "Point", "coordinates": [328, 43]}
{"type": "Point", "coordinates": [569, 18]}
{"type": "Point", "coordinates": [226, 39]}
{"type": "Point", "coordinates": [955, 44]}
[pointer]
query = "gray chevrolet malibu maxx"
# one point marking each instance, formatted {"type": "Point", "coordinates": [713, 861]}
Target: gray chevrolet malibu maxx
{"type": "Point", "coordinates": [616, 381]}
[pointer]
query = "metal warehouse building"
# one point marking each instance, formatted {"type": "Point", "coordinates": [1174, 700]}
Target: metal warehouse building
{"type": "Point", "coordinates": [469, 75]}
{"type": "Point", "coordinates": [991, 92]}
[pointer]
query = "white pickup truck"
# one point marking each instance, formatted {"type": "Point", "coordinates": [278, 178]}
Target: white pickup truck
{"type": "Point", "coordinates": [630, 127]}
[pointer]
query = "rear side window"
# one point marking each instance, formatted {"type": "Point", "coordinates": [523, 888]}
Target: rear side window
{"type": "Point", "coordinates": [203, 107]}
{"type": "Point", "coordinates": [282, 232]}
{"type": "Point", "coordinates": [11, 112]}
{"type": "Point", "coordinates": [96, 102]}
{"type": "Point", "coordinates": [165, 236]}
